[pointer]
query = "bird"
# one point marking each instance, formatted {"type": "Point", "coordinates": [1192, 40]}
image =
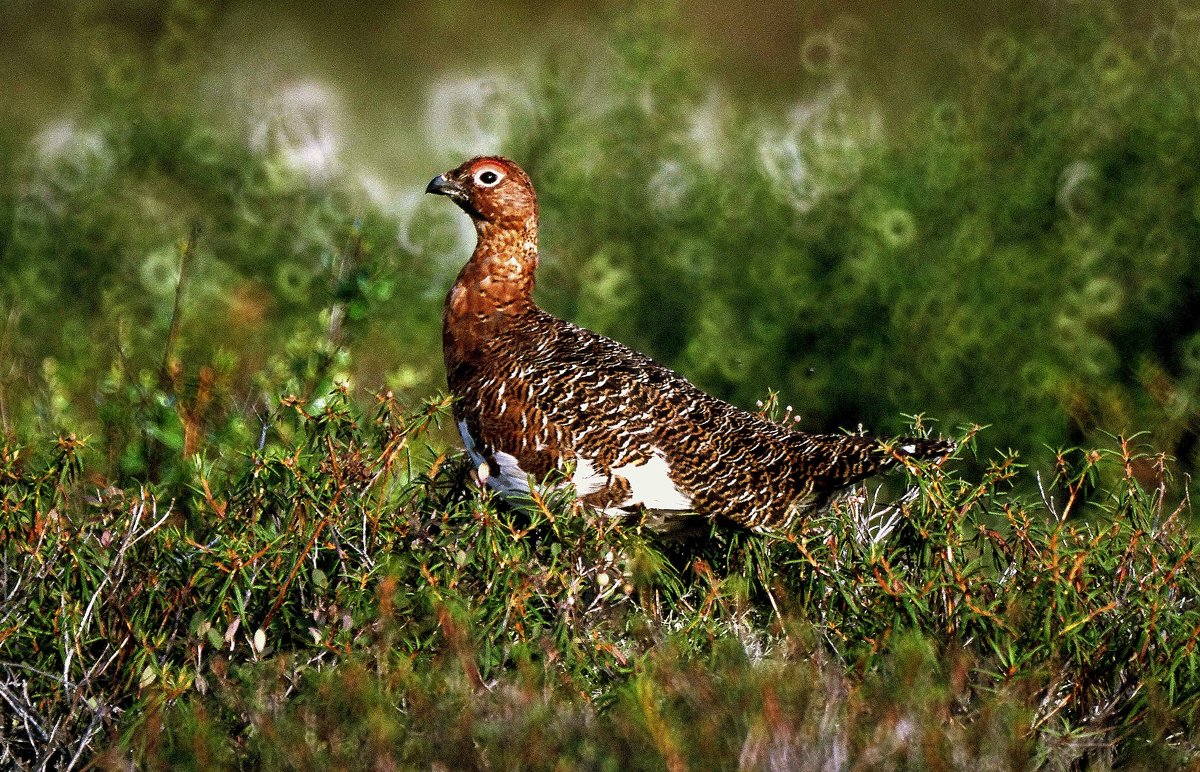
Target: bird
{"type": "Point", "coordinates": [536, 394]}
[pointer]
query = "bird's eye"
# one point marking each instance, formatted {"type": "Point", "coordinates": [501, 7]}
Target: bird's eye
{"type": "Point", "coordinates": [488, 177]}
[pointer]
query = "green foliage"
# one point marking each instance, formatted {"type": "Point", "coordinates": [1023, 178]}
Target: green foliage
{"type": "Point", "coordinates": [135, 229]}
{"type": "Point", "coordinates": [342, 597]}
{"type": "Point", "coordinates": [1018, 251]}
{"type": "Point", "coordinates": [229, 555]}
{"type": "Point", "coordinates": [1021, 253]}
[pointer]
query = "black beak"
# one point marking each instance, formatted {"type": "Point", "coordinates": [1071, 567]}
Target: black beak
{"type": "Point", "coordinates": [444, 187]}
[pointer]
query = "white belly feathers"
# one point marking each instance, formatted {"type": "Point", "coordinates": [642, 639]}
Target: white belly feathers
{"type": "Point", "coordinates": [510, 479]}
{"type": "Point", "coordinates": [650, 483]}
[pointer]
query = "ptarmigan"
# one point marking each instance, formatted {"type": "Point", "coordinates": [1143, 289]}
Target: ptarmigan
{"type": "Point", "coordinates": [536, 394]}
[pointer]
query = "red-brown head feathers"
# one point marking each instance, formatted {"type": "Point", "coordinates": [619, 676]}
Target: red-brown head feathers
{"type": "Point", "coordinates": [490, 189]}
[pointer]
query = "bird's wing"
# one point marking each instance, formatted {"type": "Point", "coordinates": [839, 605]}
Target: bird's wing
{"type": "Point", "coordinates": [632, 427]}
{"type": "Point", "coordinates": [503, 426]}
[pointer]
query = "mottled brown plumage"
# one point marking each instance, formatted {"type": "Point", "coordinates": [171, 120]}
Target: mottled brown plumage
{"type": "Point", "coordinates": [536, 394]}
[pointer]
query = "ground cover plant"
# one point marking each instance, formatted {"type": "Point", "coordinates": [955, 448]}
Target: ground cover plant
{"type": "Point", "coordinates": [343, 597]}
{"type": "Point", "coordinates": [235, 529]}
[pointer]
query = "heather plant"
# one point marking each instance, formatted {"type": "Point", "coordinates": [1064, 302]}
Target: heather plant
{"type": "Point", "coordinates": [346, 596]}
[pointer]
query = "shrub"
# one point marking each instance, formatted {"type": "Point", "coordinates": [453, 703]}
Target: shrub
{"type": "Point", "coordinates": [341, 595]}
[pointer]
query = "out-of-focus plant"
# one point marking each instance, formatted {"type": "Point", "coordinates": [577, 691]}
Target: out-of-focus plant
{"type": "Point", "coordinates": [1018, 251]}
{"type": "Point", "coordinates": [168, 271]}
{"type": "Point", "coordinates": [1021, 252]}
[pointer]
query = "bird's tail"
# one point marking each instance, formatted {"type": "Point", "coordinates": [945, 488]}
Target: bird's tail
{"type": "Point", "coordinates": [925, 448]}
{"type": "Point", "coordinates": [837, 460]}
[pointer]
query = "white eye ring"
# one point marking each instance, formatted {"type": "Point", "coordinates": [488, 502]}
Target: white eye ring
{"type": "Point", "coordinates": [488, 177]}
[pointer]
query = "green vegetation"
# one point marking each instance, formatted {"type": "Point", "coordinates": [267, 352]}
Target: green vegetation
{"type": "Point", "coordinates": [219, 545]}
{"type": "Point", "coordinates": [343, 597]}
{"type": "Point", "coordinates": [1020, 253]}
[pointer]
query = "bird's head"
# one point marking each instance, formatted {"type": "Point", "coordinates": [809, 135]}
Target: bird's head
{"type": "Point", "coordinates": [490, 189]}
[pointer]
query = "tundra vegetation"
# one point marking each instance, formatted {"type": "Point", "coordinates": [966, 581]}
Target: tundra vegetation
{"type": "Point", "coordinates": [236, 529]}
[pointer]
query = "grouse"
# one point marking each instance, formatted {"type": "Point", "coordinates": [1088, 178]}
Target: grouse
{"type": "Point", "coordinates": [536, 394]}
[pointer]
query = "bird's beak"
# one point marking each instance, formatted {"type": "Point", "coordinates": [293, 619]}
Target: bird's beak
{"type": "Point", "coordinates": [454, 190]}
{"type": "Point", "coordinates": [445, 187]}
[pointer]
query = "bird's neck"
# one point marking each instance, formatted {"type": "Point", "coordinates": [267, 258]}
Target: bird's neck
{"type": "Point", "coordinates": [493, 289]}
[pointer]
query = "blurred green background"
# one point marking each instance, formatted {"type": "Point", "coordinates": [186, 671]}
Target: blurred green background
{"type": "Point", "coordinates": [983, 213]}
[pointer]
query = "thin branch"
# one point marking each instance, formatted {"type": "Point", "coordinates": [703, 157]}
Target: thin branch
{"type": "Point", "coordinates": [185, 258]}
{"type": "Point", "coordinates": [349, 258]}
